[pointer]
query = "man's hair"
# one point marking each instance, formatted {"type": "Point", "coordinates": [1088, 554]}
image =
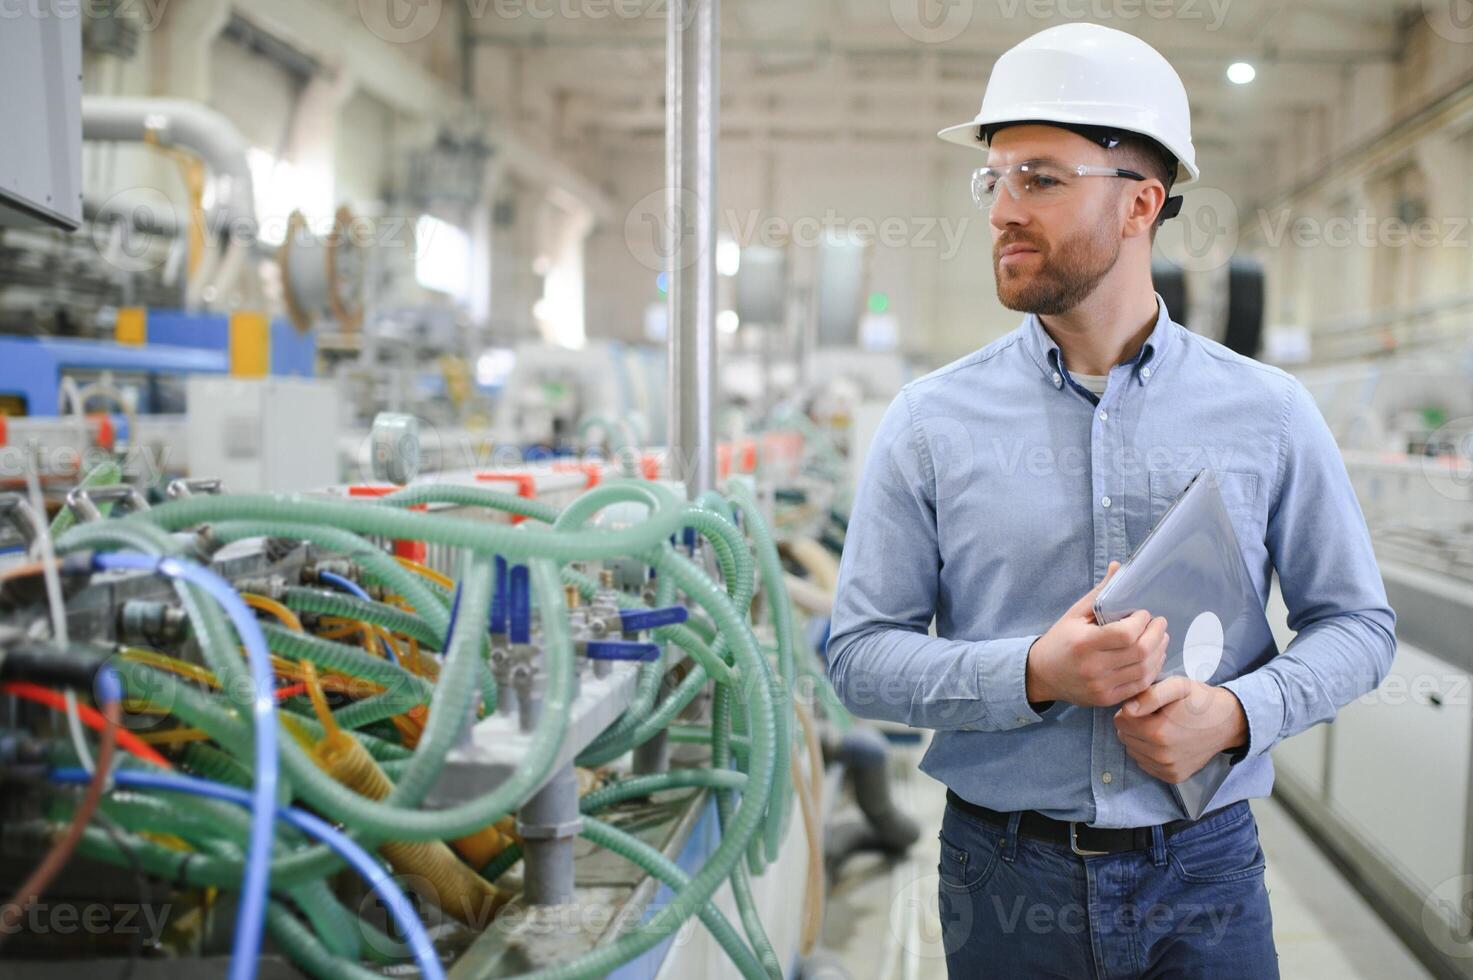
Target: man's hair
{"type": "Point", "coordinates": [1144, 155]}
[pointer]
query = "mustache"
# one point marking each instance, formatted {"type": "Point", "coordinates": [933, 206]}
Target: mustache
{"type": "Point", "coordinates": [1016, 239]}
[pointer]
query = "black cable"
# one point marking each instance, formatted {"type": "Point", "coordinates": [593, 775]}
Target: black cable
{"type": "Point", "coordinates": [145, 893]}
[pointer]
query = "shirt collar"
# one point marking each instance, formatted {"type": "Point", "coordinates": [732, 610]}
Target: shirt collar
{"type": "Point", "coordinates": [1145, 365]}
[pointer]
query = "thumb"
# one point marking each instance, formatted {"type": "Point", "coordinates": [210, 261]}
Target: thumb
{"type": "Point", "coordinates": [1086, 604]}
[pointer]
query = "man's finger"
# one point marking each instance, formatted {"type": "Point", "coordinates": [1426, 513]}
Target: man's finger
{"type": "Point", "coordinates": [1085, 605]}
{"type": "Point", "coordinates": [1124, 632]}
{"type": "Point", "coordinates": [1157, 696]}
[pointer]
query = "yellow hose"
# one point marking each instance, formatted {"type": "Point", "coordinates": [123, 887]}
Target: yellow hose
{"type": "Point", "coordinates": [319, 700]}
{"type": "Point", "coordinates": [173, 664]}
{"type": "Point", "coordinates": [451, 885]}
{"type": "Point", "coordinates": [444, 581]}
{"type": "Point", "coordinates": [281, 612]}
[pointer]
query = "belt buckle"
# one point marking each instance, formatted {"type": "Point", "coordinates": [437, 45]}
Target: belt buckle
{"type": "Point", "coordinates": [1074, 843]}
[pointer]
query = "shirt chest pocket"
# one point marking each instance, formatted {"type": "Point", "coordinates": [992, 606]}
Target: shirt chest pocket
{"type": "Point", "coordinates": [1240, 495]}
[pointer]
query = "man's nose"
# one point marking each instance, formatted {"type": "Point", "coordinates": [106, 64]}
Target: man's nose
{"type": "Point", "coordinates": [1007, 211]}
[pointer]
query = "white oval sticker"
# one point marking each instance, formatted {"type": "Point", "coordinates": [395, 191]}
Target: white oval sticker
{"type": "Point", "coordinates": [1202, 651]}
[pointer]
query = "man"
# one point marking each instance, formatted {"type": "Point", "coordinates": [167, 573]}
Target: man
{"type": "Point", "coordinates": [1002, 489]}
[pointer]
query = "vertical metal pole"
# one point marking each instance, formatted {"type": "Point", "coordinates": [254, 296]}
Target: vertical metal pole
{"type": "Point", "coordinates": [692, 99]}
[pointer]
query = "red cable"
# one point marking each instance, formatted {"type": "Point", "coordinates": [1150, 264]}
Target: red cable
{"type": "Point", "coordinates": [90, 716]}
{"type": "Point", "coordinates": [290, 691]}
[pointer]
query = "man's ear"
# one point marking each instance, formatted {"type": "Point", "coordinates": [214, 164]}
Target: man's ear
{"type": "Point", "coordinates": [1145, 203]}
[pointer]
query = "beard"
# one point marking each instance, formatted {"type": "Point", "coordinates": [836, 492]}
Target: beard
{"type": "Point", "coordinates": [1065, 275]}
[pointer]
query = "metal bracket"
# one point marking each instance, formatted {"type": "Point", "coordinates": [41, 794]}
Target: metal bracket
{"type": "Point", "coordinates": [188, 488]}
{"type": "Point", "coordinates": [549, 831]}
{"type": "Point", "coordinates": [83, 500]}
{"type": "Point", "coordinates": [17, 510]}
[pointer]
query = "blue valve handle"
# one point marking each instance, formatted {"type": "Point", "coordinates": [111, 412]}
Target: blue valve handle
{"type": "Point", "coordinates": [499, 598]}
{"type": "Point", "coordinates": [635, 620]}
{"type": "Point", "coordinates": [620, 650]}
{"type": "Point", "coordinates": [521, 605]}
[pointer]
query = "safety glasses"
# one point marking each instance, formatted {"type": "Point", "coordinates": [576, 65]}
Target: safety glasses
{"type": "Point", "coordinates": [1036, 182]}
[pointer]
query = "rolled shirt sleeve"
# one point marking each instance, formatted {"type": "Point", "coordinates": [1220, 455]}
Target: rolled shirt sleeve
{"type": "Point", "coordinates": [1319, 545]}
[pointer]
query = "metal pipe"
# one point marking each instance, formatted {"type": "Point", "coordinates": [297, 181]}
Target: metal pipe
{"type": "Point", "coordinates": [192, 126]}
{"type": "Point", "coordinates": [549, 823]}
{"type": "Point", "coordinates": [692, 78]}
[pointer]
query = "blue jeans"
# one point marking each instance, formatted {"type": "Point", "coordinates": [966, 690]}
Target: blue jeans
{"type": "Point", "coordinates": [1193, 906]}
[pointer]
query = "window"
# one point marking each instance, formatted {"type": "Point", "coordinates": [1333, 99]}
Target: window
{"type": "Point", "coordinates": [442, 259]}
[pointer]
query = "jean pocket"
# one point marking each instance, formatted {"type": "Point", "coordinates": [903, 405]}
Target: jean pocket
{"type": "Point", "coordinates": [966, 870]}
{"type": "Point", "coordinates": [1229, 853]}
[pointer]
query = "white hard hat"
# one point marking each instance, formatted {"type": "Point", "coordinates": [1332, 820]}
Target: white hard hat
{"type": "Point", "coordinates": [1087, 75]}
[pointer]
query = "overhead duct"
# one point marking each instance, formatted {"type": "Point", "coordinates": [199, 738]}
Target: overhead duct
{"type": "Point", "coordinates": [190, 126]}
{"type": "Point", "coordinates": [181, 124]}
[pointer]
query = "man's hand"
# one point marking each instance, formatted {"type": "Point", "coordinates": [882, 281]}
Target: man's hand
{"type": "Point", "coordinates": [1082, 662]}
{"type": "Point", "coordinates": [1172, 729]}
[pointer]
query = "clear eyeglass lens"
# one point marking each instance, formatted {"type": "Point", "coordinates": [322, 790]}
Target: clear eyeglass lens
{"type": "Point", "coordinates": [1027, 181]}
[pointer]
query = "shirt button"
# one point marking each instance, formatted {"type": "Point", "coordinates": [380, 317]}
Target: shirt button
{"type": "Point", "coordinates": [1106, 778]}
{"type": "Point", "coordinates": [1058, 379]}
{"type": "Point", "coordinates": [1104, 416]}
{"type": "Point", "coordinates": [1145, 372]}
{"type": "Point", "coordinates": [1104, 501]}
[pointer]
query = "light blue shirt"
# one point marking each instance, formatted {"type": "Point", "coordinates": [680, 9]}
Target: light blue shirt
{"type": "Point", "coordinates": [997, 492]}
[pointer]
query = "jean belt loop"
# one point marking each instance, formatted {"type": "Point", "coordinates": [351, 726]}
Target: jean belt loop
{"type": "Point", "coordinates": [1158, 846]}
{"type": "Point", "coordinates": [1010, 836]}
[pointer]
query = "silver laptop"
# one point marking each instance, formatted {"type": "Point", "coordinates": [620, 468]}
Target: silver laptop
{"type": "Point", "coordinates": [1190, 569]}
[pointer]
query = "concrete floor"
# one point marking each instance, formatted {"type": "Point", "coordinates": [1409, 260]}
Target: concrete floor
{"type": "Point", "coordinates": [882, 917]}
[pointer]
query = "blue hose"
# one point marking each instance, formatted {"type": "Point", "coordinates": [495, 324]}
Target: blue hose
{"type": "Point", "coordinates": [354, 589]}
{"type": "Point", "coordinates": [373, 873]}
{"type": "Point", "coordinates": [250, 920]}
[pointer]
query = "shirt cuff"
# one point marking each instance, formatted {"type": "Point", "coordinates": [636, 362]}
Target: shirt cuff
{"type": "Point", "coordinates": [1003, 681]}
{"type": "Point", "coordinates": [1263, 705]}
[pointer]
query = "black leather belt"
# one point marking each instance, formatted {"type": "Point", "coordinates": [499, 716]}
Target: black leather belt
{"type": "Point", "coordinates": [1080, 838]}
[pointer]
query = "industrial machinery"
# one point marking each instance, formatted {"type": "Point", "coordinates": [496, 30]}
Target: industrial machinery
{"type": "Point", "coordinates": [1398, 816]}
{"type": "Point", "coordinates": [570, 718]}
